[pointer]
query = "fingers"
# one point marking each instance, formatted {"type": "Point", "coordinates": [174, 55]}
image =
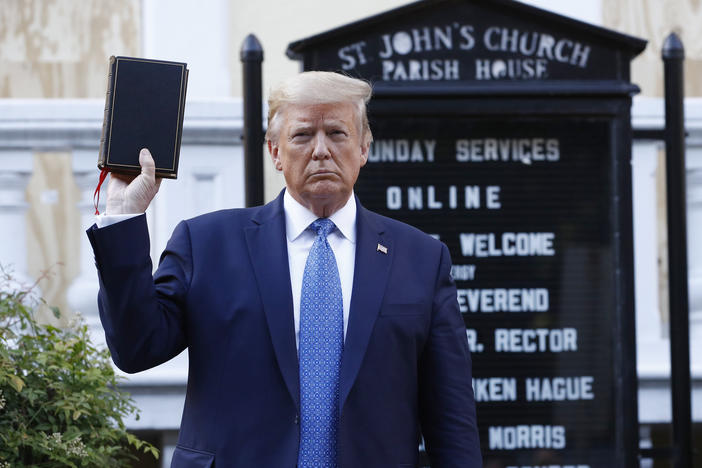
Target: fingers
{"type": "Point", "coordinates": [148, 166]}
{"type": "Point", "coordinates": [115, 193]}
{"type": "Point", "coordinates": [126, 178]}
{"type": "Point", "coordinates": [129, 194]}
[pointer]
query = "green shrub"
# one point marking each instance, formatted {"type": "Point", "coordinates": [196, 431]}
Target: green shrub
{"type": "Point", "coordinates": [59, 401]}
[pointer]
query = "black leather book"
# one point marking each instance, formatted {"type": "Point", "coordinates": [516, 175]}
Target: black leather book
{"type": "Point", "coordinates": [144, 108]}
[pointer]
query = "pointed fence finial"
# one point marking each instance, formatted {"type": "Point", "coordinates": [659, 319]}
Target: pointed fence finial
{"type": "Point", "coordinates": [251, 49]}
{"type": "Point", "coordinates": [673, 47]}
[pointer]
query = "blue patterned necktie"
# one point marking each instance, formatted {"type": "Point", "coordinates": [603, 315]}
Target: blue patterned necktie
{"type": "Point", "coordinates": [321, 344]}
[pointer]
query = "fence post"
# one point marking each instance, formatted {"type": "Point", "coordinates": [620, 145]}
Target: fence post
{"type": "Point", "coordinates": [251, 58]}
{"type": "Point", "coordinates": [673, 57]}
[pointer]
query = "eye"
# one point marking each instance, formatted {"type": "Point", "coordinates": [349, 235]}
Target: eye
{"type": "Point", "coordinates": [299, 135]}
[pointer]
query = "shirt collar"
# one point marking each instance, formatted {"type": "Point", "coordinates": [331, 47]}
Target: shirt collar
{"type": "Point", "coordinates": [298, 218]}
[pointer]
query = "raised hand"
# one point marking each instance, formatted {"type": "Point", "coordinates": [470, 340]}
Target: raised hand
{"type": "Point", "coordinates": [133, 194]}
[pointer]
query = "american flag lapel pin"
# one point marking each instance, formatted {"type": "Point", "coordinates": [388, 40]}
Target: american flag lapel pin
{"type": "Point", "coordinates": [382, 248]}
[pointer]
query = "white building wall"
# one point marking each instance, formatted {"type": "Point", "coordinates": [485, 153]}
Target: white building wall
{"type": "Point", "coordinates": [589, 11]}
{"type": "Point", "coordinates": [196, 33]}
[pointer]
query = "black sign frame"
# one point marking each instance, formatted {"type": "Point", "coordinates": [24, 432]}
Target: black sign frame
{"type": "Point", "coordinates": [568, 92]}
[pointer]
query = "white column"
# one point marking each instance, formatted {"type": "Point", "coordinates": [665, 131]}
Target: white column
{"type": "Point", "coordinates": [82, 294]}
{"type": "Point", "coordinates": [13, 224]}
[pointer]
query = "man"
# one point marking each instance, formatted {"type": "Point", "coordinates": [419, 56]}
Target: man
{"type": "Point", "coordinates": [320, 334]}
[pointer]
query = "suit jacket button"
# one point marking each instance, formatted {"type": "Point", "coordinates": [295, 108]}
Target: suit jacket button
{"type": "Point", "coordinates": [297, 419]}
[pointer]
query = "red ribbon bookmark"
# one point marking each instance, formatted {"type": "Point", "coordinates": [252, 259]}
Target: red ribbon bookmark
{"type": "Point", "coordinates": [96, 195]}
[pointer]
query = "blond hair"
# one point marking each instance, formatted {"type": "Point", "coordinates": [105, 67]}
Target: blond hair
{"type": "Point", "coordinates": [319, 87]}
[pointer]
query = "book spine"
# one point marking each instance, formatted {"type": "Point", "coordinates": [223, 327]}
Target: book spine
{"type": "Point", "coordinates": [104, 137]}
{"type": "Point", "coordinates": [179, 136]}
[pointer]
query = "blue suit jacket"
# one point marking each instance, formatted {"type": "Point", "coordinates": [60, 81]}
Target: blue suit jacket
{"type": "Point", "coordinates": [222, 290]}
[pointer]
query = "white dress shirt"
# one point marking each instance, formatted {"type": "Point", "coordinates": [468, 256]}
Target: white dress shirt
{"type": "Point", "coordinates": [105, 220]}
{"type": "Point", "coordinates": [300, 239]}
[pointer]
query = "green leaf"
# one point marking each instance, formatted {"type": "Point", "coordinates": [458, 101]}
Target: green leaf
{"type": "Point", "coordinates": [154, 451]}
{"type": "Point", "coordinates": [55, 310]}
{"type": "Point", "coordinates": [17, 383]}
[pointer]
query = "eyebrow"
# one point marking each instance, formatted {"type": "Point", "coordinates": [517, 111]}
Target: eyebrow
{"type": "Point", "coordinates": [335, 123]}
{"type": "Point", "coordinates": [301, 126]}
{"type": "Point", "coordinates": [305, 125]}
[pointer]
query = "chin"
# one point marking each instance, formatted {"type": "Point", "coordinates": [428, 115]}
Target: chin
{"type": "Point", "coordinates": [326, 189]}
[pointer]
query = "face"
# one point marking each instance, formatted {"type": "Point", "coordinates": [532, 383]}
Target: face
{"type": "Point", "coordinates": [320, 151]}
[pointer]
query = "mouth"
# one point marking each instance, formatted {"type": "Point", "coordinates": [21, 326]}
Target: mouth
{"type": "Point", "coordinates": [323, 173]}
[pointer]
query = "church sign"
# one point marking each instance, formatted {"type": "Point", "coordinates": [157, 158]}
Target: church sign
{"type": "Point", "coordinates": [405, 55]}
{"type": "Point", "coordinates": [504, 131]}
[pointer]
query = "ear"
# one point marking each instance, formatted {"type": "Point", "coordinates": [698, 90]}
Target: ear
{"type": "Point", "coordinates": [275, 155]}
{"type": "Point", "coordinates": [364, 153]}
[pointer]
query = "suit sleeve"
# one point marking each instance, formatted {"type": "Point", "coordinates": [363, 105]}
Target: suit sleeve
{"type": "Point", "coordinates": [143, 315]}
{"type": "Point", "coordinates": [446, 402]}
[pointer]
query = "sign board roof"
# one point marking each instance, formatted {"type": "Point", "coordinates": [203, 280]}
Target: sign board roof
{"type": "Point", "coordinates": [466, 42]}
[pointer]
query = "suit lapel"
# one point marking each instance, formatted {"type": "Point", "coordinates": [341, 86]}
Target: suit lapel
{"type": "Point", "coordinates": [370, 277]}
{"type": "Point", "coordinates": [269, 256]}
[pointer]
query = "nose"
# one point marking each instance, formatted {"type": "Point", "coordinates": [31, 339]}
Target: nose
{"type": "Point", "coordinates": [321, 149]}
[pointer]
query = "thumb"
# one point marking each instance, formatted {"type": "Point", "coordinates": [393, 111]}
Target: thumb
{"type": "Point", "coordinates": [148, 166]}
